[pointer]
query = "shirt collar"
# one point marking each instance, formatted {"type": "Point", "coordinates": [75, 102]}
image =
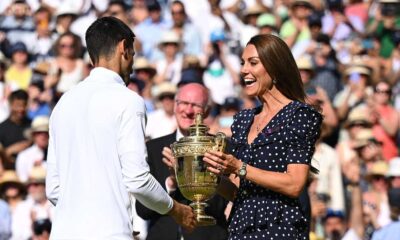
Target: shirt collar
{"type": "Point", "coordinates": [104, 74]}
{"type": "Point", "coordinates": [179, 134]}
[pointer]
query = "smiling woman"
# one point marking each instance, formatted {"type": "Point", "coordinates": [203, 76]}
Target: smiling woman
{"type": "Point", "coordinates": [273, 141]}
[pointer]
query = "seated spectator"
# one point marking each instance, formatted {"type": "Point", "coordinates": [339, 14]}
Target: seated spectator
{"type": "Point", "coordinates": [35, 155]}
{"type": "Point", "coordinates": [12, 130]}
{"type": "Point", "coordinates": [41, 40]}
{"type": "Point", "coordinates": [17, 23]}
{"type": "Point", "coordinates": [12, 190]}
{"type": "Point", "coordinates": [393, 173]}
{"type": "Point", "coordinates": [150, 30]}
{"type": "Point", "coordinates": [67, 68]}
{"type": "Point", "coordinates": [188, 32]}
{"type": "Point", "coordinates": [221, 75]}
{"type": "Point", "coordinates": [267, 24]}
{"type": "Point", "coordinates": [222, 123]}
{"type": "Point", "coordinates": [385, 119]}
{"type": "Point", "coordinates": [162, 121]}
{"type": "Point", "coordinates": [391, 231]}
{"type": "Point", "coordinates": [65, 16]}
{"type": "Point", "coordinates": [5, 220]}
{"type": "Point", "coordinates": [376, 197]}
{"type": "Point", "coordinates": [4, 90]}
{"type": "Point", "coordinates": [39, 100]}
{"type": "Point", "coordinates": [145, 72]}
{"type": "Point", "coordinates": [34, 207]}
{"type": "Point", "coordinates": [19, 74]}
{"type": "Point", "coordinates": [356, 91]}
{"type": "Point", "coordinates": [295, 31]}
{"type": "Point", "coordinates": [368, 148]}
{"type": "Point", "coordinates": [169, 66]}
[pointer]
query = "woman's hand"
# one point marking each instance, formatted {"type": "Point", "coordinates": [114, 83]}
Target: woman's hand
{"type": "Point", "coordinates": [221, 163]}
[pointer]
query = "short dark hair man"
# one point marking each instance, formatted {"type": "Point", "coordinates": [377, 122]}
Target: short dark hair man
{"type": "Point", "coordinates": [13, 129]}
{"type": "Point", "coordinates": [97, 152]}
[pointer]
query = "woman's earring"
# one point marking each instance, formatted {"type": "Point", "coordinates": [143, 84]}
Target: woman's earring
{"type": "Point", "coordinates": [274, 81]}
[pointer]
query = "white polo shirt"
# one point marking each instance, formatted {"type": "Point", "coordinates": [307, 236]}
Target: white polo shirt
{"type": "Point", "coordinates": [96, 158]}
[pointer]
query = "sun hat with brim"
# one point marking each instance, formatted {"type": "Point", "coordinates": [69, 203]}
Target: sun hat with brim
{"type": "Point", "coordinates": [164, 89]}
{"type": "Point", "coordinates": [358, 116]}
{"type": "Point", "coordinates": [169, 37]}
{"type": "Point", "coordinates": [304, 3]}
{"type": "Point", "coordinates": [67, 9]}
{"type": "Point", "coordinates": [37, 175]}
{"type": "Point", "coordinates": [266, 20]}
{"type": "Point", "coordinates": [379, 168]}
{"type": "Point", "coordinates": [304, 63]}
{"type": "Point", "coordinates": [9, 178]}
{"type": "Point", "coordinates": [40, 124]}
{"type": "Point", "coordinates": [394, 167]}
{"type": "Point", "coordinates": [141, 63]}
{"type": "Point", "coordinates": [253, 10]}
{"type": "Point", "coordinates": [363, 138]}
{"type": "Point", "coordinates": [358, 69]}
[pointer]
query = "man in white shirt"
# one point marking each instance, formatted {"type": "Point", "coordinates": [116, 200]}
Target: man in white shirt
{"type": "Point", "coordinates": [97, 152]}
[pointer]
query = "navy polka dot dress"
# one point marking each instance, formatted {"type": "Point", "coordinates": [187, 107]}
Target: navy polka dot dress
{"type": "Point", "coordinates": [259, 213]}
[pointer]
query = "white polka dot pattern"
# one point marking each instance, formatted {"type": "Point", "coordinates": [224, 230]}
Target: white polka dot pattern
{"type": "Point", "coordinates": [289, 137]}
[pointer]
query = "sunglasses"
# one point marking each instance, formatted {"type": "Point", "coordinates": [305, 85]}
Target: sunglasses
{"type": "Point", "coordinates": [66, 46]}
{"type": "Point", "coordinates": [177, 12]}
{"type": "Point", "coordinates": [388, 92]}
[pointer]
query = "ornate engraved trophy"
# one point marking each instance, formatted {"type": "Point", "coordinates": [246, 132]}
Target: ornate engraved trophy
{"type": "Point", "coordinates": [194, 181]}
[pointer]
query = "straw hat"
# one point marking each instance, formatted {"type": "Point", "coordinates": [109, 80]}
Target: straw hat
{"type": "Point", "coordinates": [40, 124]}
{"type": "Point", "coordinates": [253, 10]}
{"type": "Point", "coordinates": [364, 137]}
{"type": "Point", "coordinates": [164, 89]}
{"type": "Point", "coordinates": [9, 178]}
{"type": "Point", "coordinates": [169, 37]}
{"type": "Point", "coordinates": [379, 168]}
{"type": "Point", "coordinates": [66, 8]}
{"type": "Point", "coordinates": [141, 63]}
{"type": "Point", "coordinates": [358, 116]}
{"type": "Point", "coordinates": [358, 69]}
{"type": "Point", "coordinates": [305, 63]}
{"type": "Point", "coordinates": [37, 175]}
{"type": "Point", "coordinates": [394, 167]}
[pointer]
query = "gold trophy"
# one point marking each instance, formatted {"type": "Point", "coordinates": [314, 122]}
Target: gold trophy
{"type": "Point", "coordinates": [194, 180]}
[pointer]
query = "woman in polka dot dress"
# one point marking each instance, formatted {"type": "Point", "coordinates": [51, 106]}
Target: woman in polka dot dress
{"type": "Point", "coordinates": [273, 145]}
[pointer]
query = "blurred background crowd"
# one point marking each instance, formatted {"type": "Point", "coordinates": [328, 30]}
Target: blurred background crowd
{"type": "Point", "coordinates": [347, 51]}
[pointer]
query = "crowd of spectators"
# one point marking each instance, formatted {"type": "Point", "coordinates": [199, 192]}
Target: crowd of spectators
{"type": "Point", "coordinates": [347, 51]}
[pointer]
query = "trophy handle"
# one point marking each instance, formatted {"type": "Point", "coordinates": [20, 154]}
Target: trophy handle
{"type": "Point", "coordinates": [220, 141]}
{"type": "Point", "coordinates": [174, 153]}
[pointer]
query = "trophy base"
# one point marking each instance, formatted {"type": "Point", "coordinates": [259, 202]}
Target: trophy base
{"type": "Point", "coordinates": [202, 218]}
{"type": "Point", "coordinates": [205, 220]}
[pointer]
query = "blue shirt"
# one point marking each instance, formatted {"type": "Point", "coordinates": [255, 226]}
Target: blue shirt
{"type": "Point", "coordinates": [5, 221]}
{"type": "Point", "coordinates": [391, 231]}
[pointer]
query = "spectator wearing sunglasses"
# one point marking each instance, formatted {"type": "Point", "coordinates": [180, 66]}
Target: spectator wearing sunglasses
{"type": "Point", "coordinates": [385, 119]}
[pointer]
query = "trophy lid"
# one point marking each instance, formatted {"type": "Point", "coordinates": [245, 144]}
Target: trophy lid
{"type": "Point", "coordinates": [198, 128]}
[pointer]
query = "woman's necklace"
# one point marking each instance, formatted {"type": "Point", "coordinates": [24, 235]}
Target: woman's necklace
{"type": "Point", "coordinates": [260, 122]}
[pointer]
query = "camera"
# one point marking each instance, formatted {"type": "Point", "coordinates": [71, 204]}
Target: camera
{"type": "Point", "coordinates": [323, 197]}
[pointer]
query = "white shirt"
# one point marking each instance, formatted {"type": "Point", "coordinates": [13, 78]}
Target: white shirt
{"type": "Point", "coordinates": [26, 159]}
{"type": "Point", "coordinates": [160, 124]}
{"type": "Point", "coordinates": [97, 158]}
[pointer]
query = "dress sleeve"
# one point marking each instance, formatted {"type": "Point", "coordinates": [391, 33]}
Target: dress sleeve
{"type": "Point", "coordinates": [303, 131]}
